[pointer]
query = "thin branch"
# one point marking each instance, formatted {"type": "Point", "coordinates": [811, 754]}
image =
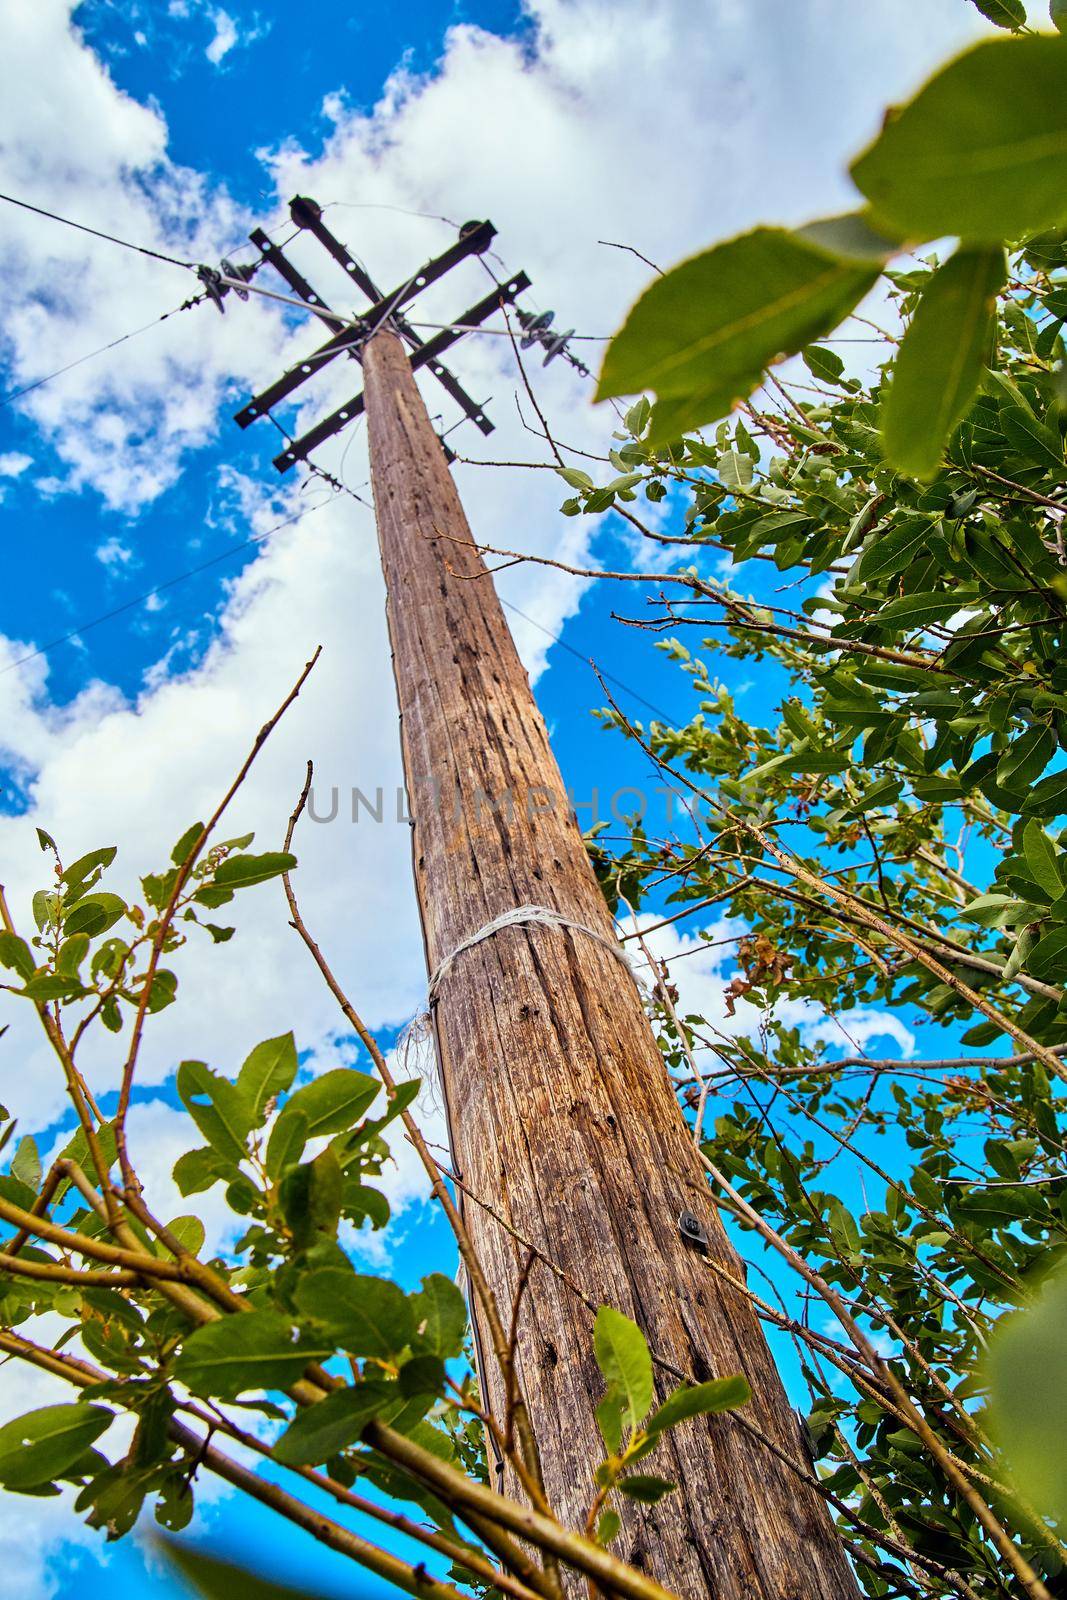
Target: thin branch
{"type": "Point", "coordinates": [185, 869]}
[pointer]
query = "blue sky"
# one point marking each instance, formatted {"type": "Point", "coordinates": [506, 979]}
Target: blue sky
{"type": "Point", "coordinates": [181, 126]}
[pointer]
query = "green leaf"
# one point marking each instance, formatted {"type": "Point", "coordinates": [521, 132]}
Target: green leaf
{"type": "Point", "coordinates": [636, 418]}
{"type": "Point", "coordinates": [325, 1429]}
{"type": "Point", "coordinates": [609, 1421]}
{"type": "Point", "coordinates": [241, 872]}
{"type": "Point", "coordinates": [334, 1102]}
{"type": "Point", "coordinates": [219, 1111]}
{"type": "Point", "coordinates": [162, 990]}
{"type": "Point", "coordinates": [735, 470]}
{"type": "Point", "coordinates": [440, 1315]}
{"type": "Point", "coordinates": [286, 1144]}
{"type": "Point", "coordinates": [49, 986]}
{"type": "Point", "coordinates": [189, 1232]}
{"type": "Point", "coordinates": [94, 914]}
{"type": "Point", "coordinates": [422, 1375]}
{"type": "Point", "coordinates": [939, 364]}
{"type": "Point", "coordinates": [72, 952]}
{"type": "Point", "coordinates": [623, 1357]}
{"type": "Point", "coordinates": [644, 1488]}
{"type": "Point", "coordinates": [367, 1316]}
{"type": "Point", "coordinates": [1026, 1370]}
{"type": "Point", "coordinates": [268, 1071]}
{"type": "Point", "coordinates": [918, 610]}
{"type": "Point", "coordinates": [702, 335]}
{"type": "Point", "coordinates": [45, 1444]}
{"type": "Point", "coordinates": [1043, 859]}
{"type": "Point", "coordinates": [174, 1504]}
{"type": "Point", "coordinates": [697, 1400]}
{"type": "Point", "coordinates": [1048, 959]}
{"type": "Point", "coordinates": [844, 1230]}
{"type": "Point", "coordinates": [26, 1162]}
{"type": "Point", "coordinates": [46, 908]}
{"type": "Point", "coordinates": [892, 549]}
{"type": "Point", "coordinates": [1048, 798]}
{"type": "Point", "coordinates": [608, 1526]}
{"type": "Point", "coordinates": [1058, 12]}
{"type": "Point", "coordinates": [15, 954]}
{"type": "Point", "coordinates": [1026, 758]}
{"type": "Point", "coordinates": [96, 861]}
{"type": "Point", "coordinates": [826, 365]}
{"type": "Point", "coordinates": [254, 1350]}
{"type": "Point", "coordinates": [995, 910]}
{"type": "Point", "coordinates": [311, 1200]}
{"type": "Point", "coordinates": [981, 152]}
{"type": "Point", "coordinates": [180, 854]}
{"type": "Point", "coordinates": [198, 1169]}
{"type": "Point", "coordinates": [575, 477]}
{"type": "Point", "coordinates": [360, 1202]}
{"type": "Point", "coordinates": [1024, 429]}
{"type": "Point", "coordinates": [1003, 13]}
{"type": "Point", "coordinates": [224, 1580]}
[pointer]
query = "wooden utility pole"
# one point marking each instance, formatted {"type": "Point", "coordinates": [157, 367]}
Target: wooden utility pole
{"type": "Point", "coordinates": [561, 1112]}
{"type": "Point", "coordinates": [563, 1119]}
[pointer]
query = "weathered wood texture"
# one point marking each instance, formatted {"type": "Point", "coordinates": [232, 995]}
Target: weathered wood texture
{"type": "Point", "coordinates": [561, 1110]}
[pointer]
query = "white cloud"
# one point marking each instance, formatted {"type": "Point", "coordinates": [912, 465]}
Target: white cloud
{"type": "Point", "coordinates": [114, 556]}
{"type": "Point", "coordinates": [226, 37]}
{"type": "Point", "coordinates": [14, 464]}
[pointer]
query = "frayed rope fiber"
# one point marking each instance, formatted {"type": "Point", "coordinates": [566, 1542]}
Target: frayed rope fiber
{"type": "Point", "coordinates": [520, 917]}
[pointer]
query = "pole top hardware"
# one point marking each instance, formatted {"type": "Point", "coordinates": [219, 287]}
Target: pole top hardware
{"type": "Point", "coordinates": [245, 272]}
{"type": "Point", "coordinates": [474, 239]}
{"type": "Point", "coordinates": [693, 1230]}
{"type": "Point", "coordinates": [535, 326]}
{"type": "Point", "coordinates": [214, 287]}
{"type": "Point", "coordinates": [214, 282]}
{"type": "Point", "coordinates": [304, 211]}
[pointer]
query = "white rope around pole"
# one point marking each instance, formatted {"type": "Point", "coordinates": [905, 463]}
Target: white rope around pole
{"type": "Point", "coordinates": [522, 916]}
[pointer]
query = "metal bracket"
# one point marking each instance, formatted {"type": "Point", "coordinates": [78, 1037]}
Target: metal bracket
{"type": "Point", "coordinates": [474, 239]}
{"type": "Point", "coordinates": [425, 355]}
{"type": "Point", "coordinates": [693, 1230]}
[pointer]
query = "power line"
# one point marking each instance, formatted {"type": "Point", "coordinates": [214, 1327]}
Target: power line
{"type": "Point", "coordinates": [16, 394]}
{"type": "Point", "coordinates": [168, 583]}
{"type": "Point", "coordinates": [82, 227]}
{"type": "Point", "coordinates": [380, 205]}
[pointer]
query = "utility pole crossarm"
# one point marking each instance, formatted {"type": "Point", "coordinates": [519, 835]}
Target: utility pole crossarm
{"type": "Point", "coordinates": [474, 239]}
{"type": "Point", "coordinates": [426, 355]}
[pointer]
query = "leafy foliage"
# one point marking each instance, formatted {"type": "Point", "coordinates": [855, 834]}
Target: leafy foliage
{"type": "Point", "coordinates": [979, 154]}
{"type": "Point", "coordinates": [893, 843]}
{"type": "Point", "coordinates": [352, 1374]}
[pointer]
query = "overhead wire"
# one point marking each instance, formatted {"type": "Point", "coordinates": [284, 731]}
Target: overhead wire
{"type": "Point", "coordinates": [502, 333]}
{"type": "Point", "coordinates": [38, 383]}
{"type": "Point", "coordinates": [168, 583]}
{"type": "Point", "coordinates": [82, 227]}
{"type": "Point", "coordinates": [380, 205]}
